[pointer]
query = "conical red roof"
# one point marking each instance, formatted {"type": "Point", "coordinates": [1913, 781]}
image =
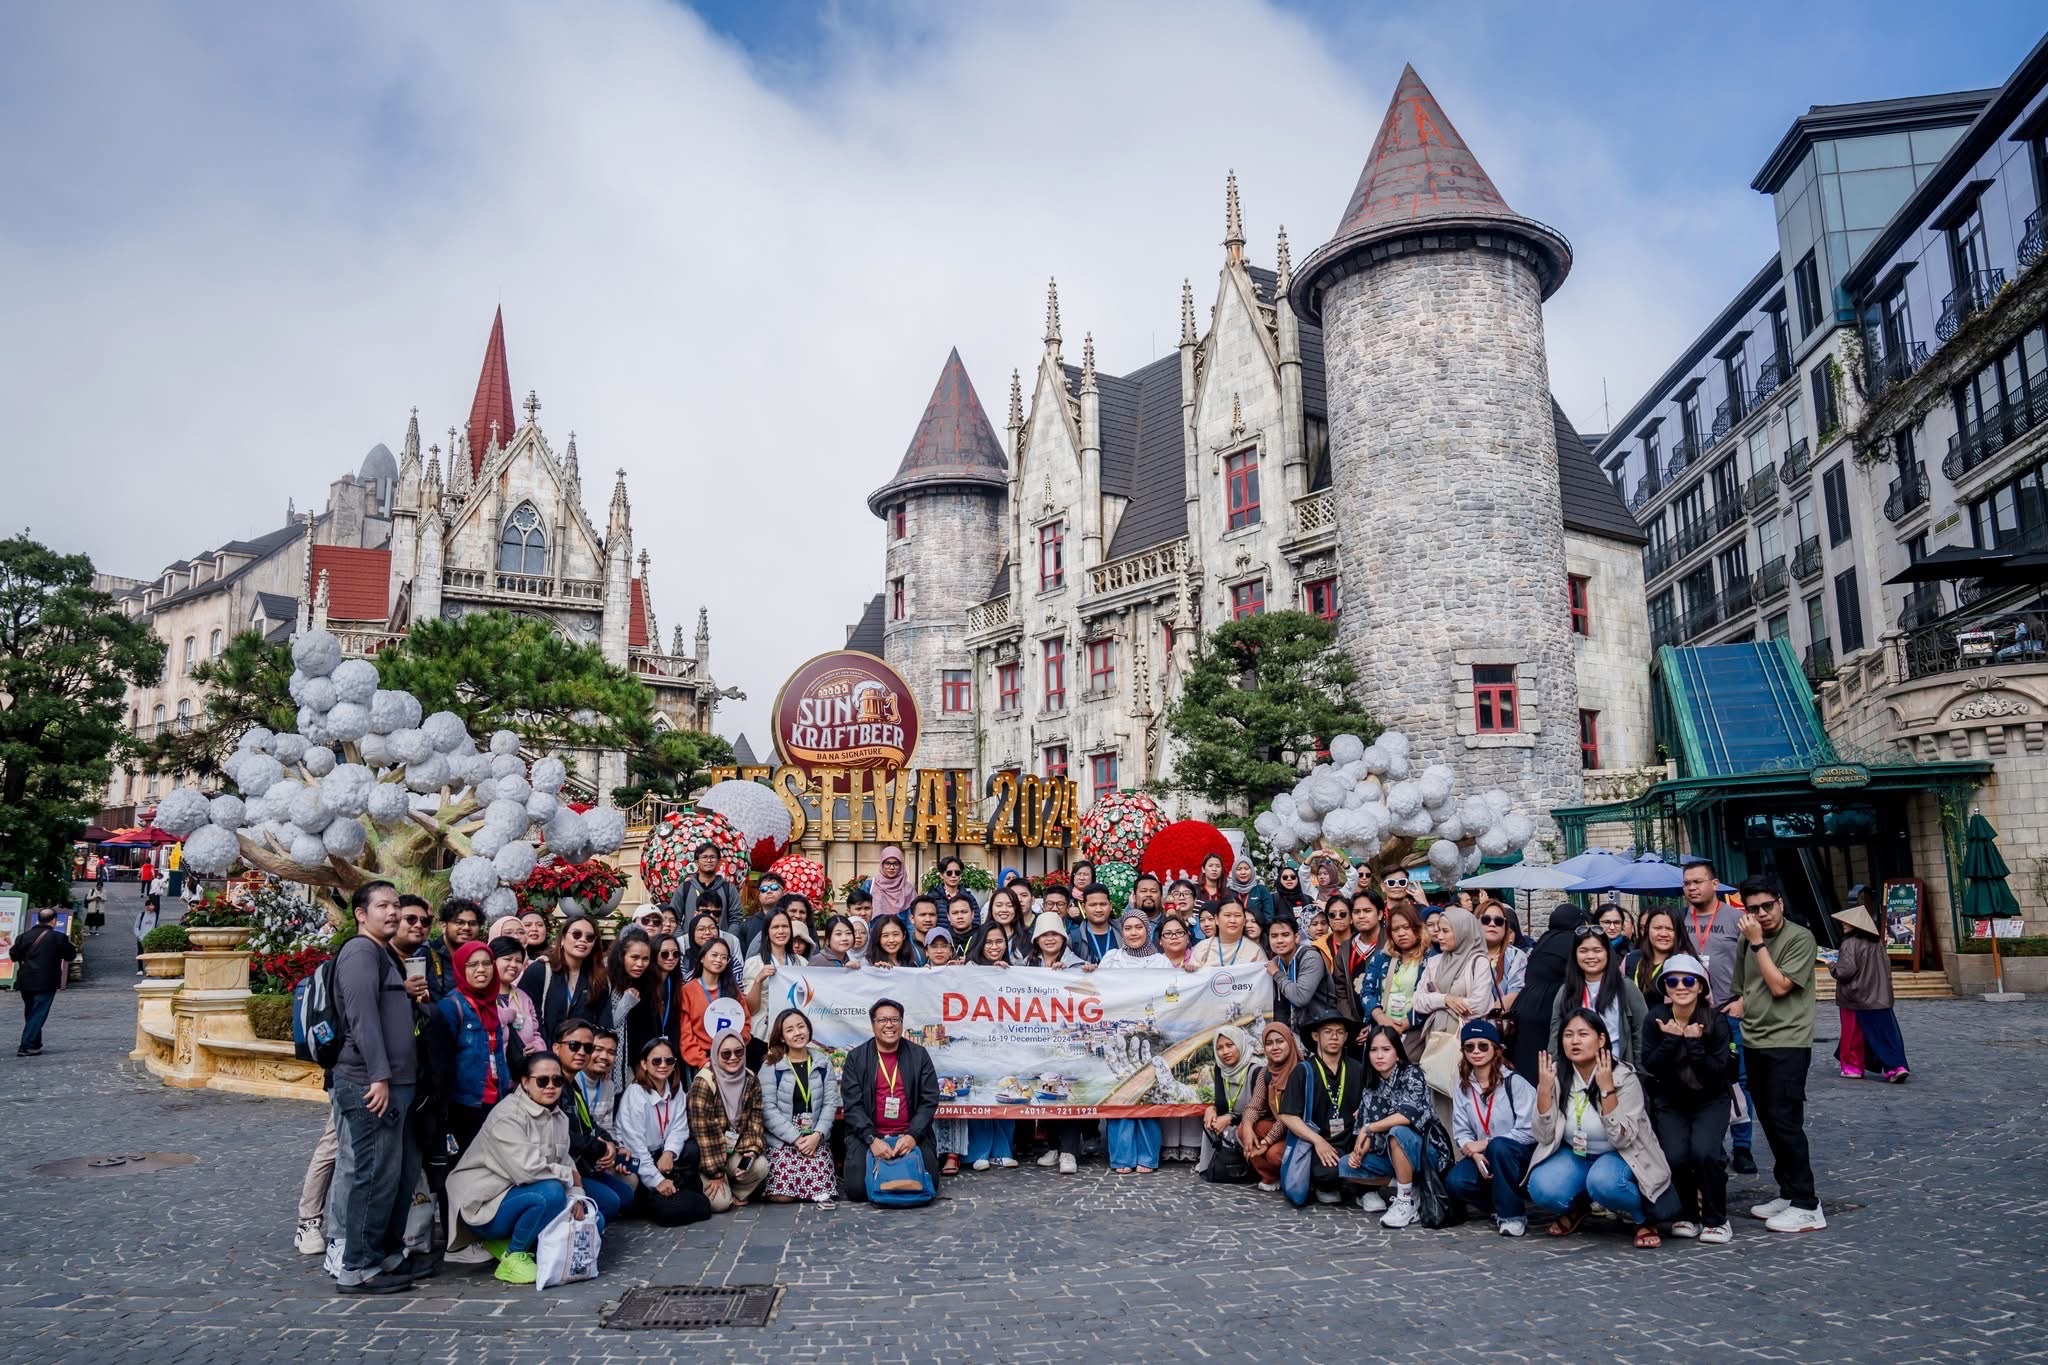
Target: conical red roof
{"type": "Point", "coordinates": [493, 401]}
{"type": "Point", "coordinates": [954, 443]}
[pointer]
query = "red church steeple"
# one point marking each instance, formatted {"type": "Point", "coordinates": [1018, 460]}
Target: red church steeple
{"type": "Point", "coordinates": [493, 399]}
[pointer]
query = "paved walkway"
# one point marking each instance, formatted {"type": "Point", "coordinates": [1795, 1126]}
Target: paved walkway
{"type": "Point", "coordinates": [1934, 1193]}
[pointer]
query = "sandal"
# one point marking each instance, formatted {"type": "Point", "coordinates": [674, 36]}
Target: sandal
{"type": "Point", "coordinates": [1567, 1225]}
{"type": "Point", "coordinates": [1148, 1170]}
{"type": "Point", "coordinates": [1119, 1170]}
{"type": "Point", "coordinates": [1647, 1238]}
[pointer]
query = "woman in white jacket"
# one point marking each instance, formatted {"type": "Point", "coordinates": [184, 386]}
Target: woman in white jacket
{"type": "Point", "coordinates": [799, 1103]}
{"type": "Point", "coordinates": [653, 1124]}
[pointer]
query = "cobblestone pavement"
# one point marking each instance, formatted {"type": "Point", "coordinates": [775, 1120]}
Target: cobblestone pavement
{"type": "Point", "coordinates": [1933, 1192]}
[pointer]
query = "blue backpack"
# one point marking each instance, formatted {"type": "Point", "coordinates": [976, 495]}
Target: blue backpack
{"type": "Point", "coordinates": [900, 1172]}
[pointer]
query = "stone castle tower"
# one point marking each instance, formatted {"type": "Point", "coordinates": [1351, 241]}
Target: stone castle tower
{"type": "Point", "coordinates": [943, 515]}
{"type": "Point", "coordinates": [1443, 455]}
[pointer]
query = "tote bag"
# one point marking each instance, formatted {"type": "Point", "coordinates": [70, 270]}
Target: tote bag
{"type": "Point", "coordinates": [568, 1246]}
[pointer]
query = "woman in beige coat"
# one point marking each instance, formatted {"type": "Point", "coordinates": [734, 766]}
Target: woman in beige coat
{"type": "Point", "coordinates": [1594, 1141]}
{"type": "Point", "coordinates": [517, 1176]}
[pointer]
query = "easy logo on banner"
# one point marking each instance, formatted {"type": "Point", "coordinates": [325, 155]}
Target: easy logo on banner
{"type": "Point", "coordinates": [1027, 1043]}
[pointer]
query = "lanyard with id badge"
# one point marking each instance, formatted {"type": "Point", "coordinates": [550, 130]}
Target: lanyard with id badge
{"type": "Point", "coordinates": [1336, 1094]}
{"type": "Point", "coordinates": [892, 1081]}
{"type": "Point", "coordinates": [1579, 1103]}
{"type": "Point", "coordinates": [806, 1121]}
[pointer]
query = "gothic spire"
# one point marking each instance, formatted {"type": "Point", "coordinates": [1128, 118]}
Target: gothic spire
{"type": "Point", "coordinates": [571, 469]}
{"type": "Point", "coordinates": [1188, 336]}
{"type": "Point", "coordinates": [1016, 399]}
{"type": "Point", "coordinates": [1088, 362]}
{"type": "Point", "coordinates": [622, 510]}
{"type": "Point", "coordinates": [411, 449]}
{"type": "Point", "coordinates": [491, 410]}
{"type": "Point", "coordinates": [1233, 222]}
{"type": "Point", "coordinates": [1283, 262]}
{"type": "Point", "coordinates": [1052, 315]}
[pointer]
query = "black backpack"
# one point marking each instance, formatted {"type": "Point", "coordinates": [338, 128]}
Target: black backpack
{"type": "Point", "coordinates": [319, 1028]}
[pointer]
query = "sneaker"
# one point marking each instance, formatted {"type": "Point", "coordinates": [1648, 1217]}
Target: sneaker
{"type": "Point", "coordinates": [1797, 1220]}
{"type": "Point", "coordinates": [981, 1165]}
{"type": "Point", "coordinates": [1067, 1163]}
{"type": "Point", "coordinates": [1400, 1213]}
{"type": "Point", "coordinates": [1513, 1227]}
{"type": "Point", "coordinates": [1769, 1209]}
{"type": "Point", "coordinates": [1329, 1197]}
{"type": "Point", "coordinates": [1008, 1163]}
{"type": "Point", "coordinates": [1684, 1229]}
{"type": "Point", "coordinates": [517, 1267]}
{"type": "Point", "coordinates": [824, 1200]}
{"type": "Point", "coordinates": [1742, 1163]}
{"type": "Point", "coordinates": [1372, 1201]}
{"type": "Point", "coordinates": [1898, 1075]}
{"type": "Point", "coordinates": [310, 1241]}
{"type": "Point", "coordinates": [380, 1283]}
{"type": "Point", "coordinates": [1267, 1187]}
{"type": "Point", "coordinates": [476, 1253]}
{"type": "Point", "coordinates": [1852, 1073]}
{"type": "Point", "coordinates": [1051, 1158]}
{"type": "Point", "coordinates": [497, 1246]}
{"type": "Point", "coordinates": [1718, 1235]}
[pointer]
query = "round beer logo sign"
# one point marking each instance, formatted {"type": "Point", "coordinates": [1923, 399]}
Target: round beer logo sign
{"type": "Point", "coordinates": [846, 709]}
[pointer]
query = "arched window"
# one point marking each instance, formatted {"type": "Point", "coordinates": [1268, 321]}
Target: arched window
{"type": "Point", "coordinates": [213, 646]}
{"type": "Point", "coordinates": [191, 651]}
{"type": "Point", "coordinates": [523, 548]}
{"type": "Point", "coordinates": [184, 715]}
{"type": "Point", "coordinates": [156, 719]}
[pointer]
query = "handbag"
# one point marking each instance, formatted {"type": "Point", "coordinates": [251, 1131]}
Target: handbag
{"type": "Point", "coordinates": [1228, 1164]}
{"type": "Point", "coordinates": [568, 1246]}
{"type": "Point", "coordinates": [1440, 1061]}
{"type": "Point", "coordinates": [900, 1181]}
{"type": "Point", "coordinates": [1434, 1206]}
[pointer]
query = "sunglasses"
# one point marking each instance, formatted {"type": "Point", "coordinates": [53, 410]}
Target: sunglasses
{"type": "Point", "coordinates": [1586, 931]}
{"type": "Point", "coordinates": [1755, 906]}
{"type": "Point", "coordinates": [662, 1062]}
{"type": "Point", "coordinates": [1690, 983]}
{"type": "Point", "coordinates": [1497, 920]}
{"type": "Point", "coordinates": [416, 921]}
{"type": "Point", "coordinates": [545, 1082]}
{"type": "Point", "coordinates": [730, 1054]}
{"type": "Point", "coordinates": [579, 938]}
{"type": "Point", "coordinates": [671, 957]}
{"type": "Point", "coordinates": [577, 1047]}
{"type": "Point", "coordinates": [1479, 1045]}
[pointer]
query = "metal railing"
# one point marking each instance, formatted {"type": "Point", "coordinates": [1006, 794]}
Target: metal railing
{"type": "Point", "coordinates": [1981, 441]}
{"type": "Point", "coordinates": [1797, 464]}
{"type": "Point", "coordinates": [1775, 374]}
{"type": "Point", "coordinates": [1728, 414]}
{"type": "Point", "coordinates": [2033, 244]}
{"type": "Point", "coordinates": [1762, 488]}
{"type": "Point", "coordinates": [1921, 606]}
{"type": "Point", "coordinates": [1664, 633]}
{"type": "Point", "coordinates": [1820, 661]}
{"type": "Point", "coordinates": [1684, 455]}
{"type": "Point", "coordinates": [1700, 618]}
{"type": "Point", "coordinates": [1971, 296]}
{"type": "Point", "coordinates": [1953, 645]}
{"type": "Point", "coordinates": [1806, 560]}
{"type": "Point", "coordinates": [1907, 492]}
{"type": "Point", "coordinates": [1894, 366]}
{"type": "Point", "coordinates": [1657, 561]}
{"type": "Point", "coordinates": [1737, 598]}
{"type": "Point", "coordinates": [1771, 580]}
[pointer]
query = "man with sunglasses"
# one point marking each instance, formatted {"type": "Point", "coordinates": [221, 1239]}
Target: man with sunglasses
{"type": "Point", "coordinates": [951, 870]}
{"type": "Point", "coordinates": [1774, 1001]}
{"type": "Point", "coordinates": [596, 1153]}
{"type": "Point", "coordinates": [1715, 929]}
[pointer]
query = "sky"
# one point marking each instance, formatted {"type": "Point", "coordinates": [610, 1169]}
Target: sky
{"type": "Point", "coordinates": [734, 242]}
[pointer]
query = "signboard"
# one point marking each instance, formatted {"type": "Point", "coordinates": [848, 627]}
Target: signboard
{"type": "Point", "coordinates": [1025, 1043]}
{"type": "Point", "coordinates": [2007, 926]}
{"type": "Point", "coordinates": [1837, 775]}
{"type": "Point", "coordinates": [1901, 908]}
{"type": "Point", "coordinates": [13, 919]}
{"type": "Point", "coordinates": [846, 711]}
{"type": "Point", "coordinates": [930, 806]}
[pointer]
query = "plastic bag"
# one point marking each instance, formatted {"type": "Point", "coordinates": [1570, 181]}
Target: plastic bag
{"type": "Point", "coordinates": [568, 1246]}
{"type": "Point", "coordinates": [1434, 1206]}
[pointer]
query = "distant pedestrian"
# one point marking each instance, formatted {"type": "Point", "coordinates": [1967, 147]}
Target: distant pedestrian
{"type": "Point", "coordinates": [145, 920]}
{"type": "Point", "coordinates": [1871, 1041]}
{"type": "Point", "coordinates": [174, 868]}
{"type": "Point", "coordinates": [1774, 979]}
{"type": "Point", "coordinates": [39, 957]}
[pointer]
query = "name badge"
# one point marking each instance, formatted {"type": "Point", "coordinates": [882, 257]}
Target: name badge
{"type": "Point", "coordinates": [892, 1108]}
{"type": "Point", "coordinates": [1336, 1125]}
{"type": "Point", "coordinates": [805, 1123]}
{"type": "Point", "coordinates": [1579, 1143]}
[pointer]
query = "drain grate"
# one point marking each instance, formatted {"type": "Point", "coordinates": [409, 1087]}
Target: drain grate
{"type": "Point", "coordinates": [686, 1308]}
{"type": "Point", "coordinates": [126, 1163]}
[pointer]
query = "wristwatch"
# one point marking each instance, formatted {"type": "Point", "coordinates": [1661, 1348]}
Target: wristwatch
{"type": "Point", "coordinates": [1756, 947]}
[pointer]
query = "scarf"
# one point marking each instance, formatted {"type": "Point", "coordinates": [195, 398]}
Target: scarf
{"type": "Point", "coordinates": [1458, 971]}
{"type": "Point", "coordinates": [1241, 880]}
{"type": "Point", "coordinates": [1289, 897]}
{"type": "Point", "coordinates": [892, 894]}
{"type": "Point", "coordinates": [1277, 1077]}
{"type": "Point", "coordinates": [1146, 949]}
{"type": "Point", "coordinates": [1247, 1055]}
{"type": "Point", "coordinates": [485, 1003]}
{"type": "Point", "coordinates": [732, 1088]}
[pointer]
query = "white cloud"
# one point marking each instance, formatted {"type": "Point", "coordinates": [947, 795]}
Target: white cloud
{"type": "Point", "coordinates": [245, 242]}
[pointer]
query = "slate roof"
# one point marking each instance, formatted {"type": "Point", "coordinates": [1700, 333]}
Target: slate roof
{"type": "Point", "coordinates": [261, 548]}
{"type": "Point", "coordinates": [743, 753]}
{"type": "Point", "coordinates": [1590, 503]}
{"type": "Point", "coordinates": [866, 634]}
{"type": "Point", "coordinates": [278, 606]}
{"type": "Point", "coordinates": [953, 444]}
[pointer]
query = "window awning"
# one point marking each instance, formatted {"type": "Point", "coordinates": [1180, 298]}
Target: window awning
{"type": "Point", "coordinates": [1953, 561]}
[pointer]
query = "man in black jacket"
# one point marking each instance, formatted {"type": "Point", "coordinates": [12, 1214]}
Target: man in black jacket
{"type": "Point", "coordinates": [889, 1099]}
{"type": "Point", "coordinates": [707, 892]}
{"type": "Point", "coordinates": [39, 957]}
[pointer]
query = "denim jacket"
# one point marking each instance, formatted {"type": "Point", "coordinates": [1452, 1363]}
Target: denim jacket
{"type": "Point", "coordinates": [467, 1054]}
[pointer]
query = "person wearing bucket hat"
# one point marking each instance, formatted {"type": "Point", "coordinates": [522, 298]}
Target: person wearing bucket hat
{"type": "Point", "coordinates": [1688, 1068]}
{"type": "Point", "coordinates": [1049, 946]}
{"type": "Point", "coordinates": [1492, 1146]}
{"type": "Point", "coordinates": [939, 947]}
{"type": "Point", "coordinates": [1871, 1040]}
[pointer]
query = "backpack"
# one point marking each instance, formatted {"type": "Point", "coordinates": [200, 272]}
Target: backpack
{"type": "Point", "coordinates": [900, 1182]}
{"type": "Point", "coordinates": [319, 1028]}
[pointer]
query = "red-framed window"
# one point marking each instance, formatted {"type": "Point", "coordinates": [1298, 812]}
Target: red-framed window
{"type": "Point", "coordinates": [1055, 760]}
{"type": "Point", "coordinates": [1241, 480]}
{"type": "Point", "coordinates": [1009, 686]}
{"type": "Point", "coordinates": [1319, 598]}
{"type": "Point", "coordinates": [1055, 674]}
{"type": "Point", "coordinates": [1247, 599]}
{"type": "Point", "coordinates": [1589, 739]}
{"type": "Point", "coordinates": [895, 599]}
{"type": "Point", "coordinates": [899, 522]}
{"type": "Point", "coordinates": [1577, 591]}
{"type": "Point", "coordinates": [956, 691]}
{"type": "Point", "coordinates": [1101, 665]}
{"type": "Point", "coordinates": [1494, 702]}
{"type": "Point", "coordinates": [1052, 556]}
{"type": "Point", "coordinates": [1101, 775]}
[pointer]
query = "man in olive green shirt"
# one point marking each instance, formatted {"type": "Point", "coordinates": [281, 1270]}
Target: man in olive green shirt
{"type": "Point", "coordinates": [1774, 988]}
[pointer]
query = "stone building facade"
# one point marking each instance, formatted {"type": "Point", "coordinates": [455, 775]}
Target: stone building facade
{"type": "Point", "coordinates": [1134, 512]}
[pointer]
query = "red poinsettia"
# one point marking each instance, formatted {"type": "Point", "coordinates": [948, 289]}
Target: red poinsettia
{"type": "Point", "coordinates": [278, 973]}
{"type": "Point", "coordinates": [591, 882]}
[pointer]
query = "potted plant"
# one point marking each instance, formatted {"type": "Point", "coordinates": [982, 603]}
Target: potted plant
{"type": "Point", "coordinates": [217, 924]}
{"type": "Point", "coordinates": [163, 952]}
{"type": "Point", "coordinates": [592, 887]}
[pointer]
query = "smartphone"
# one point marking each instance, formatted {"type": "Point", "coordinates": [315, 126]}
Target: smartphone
{"type": "Point", "coordinates": [415, 969]}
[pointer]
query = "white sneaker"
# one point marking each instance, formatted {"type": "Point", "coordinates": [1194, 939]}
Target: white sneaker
{"type": "Point", "coordinates": [1267, 1187]}
{"type": "Point", "coordinates": [1051, 1158]}
{"type": "Point", "coordinates": [1684, 1229]}
{"type": "Point", "coordinates": [1067, 1163]}
{"type": "Point", "coordinates": [1329, 1197]}
{"type": "Point", "coordinates": [1513, 1227]}
{"type": "Point", "coordinates": [1400, 1213]}
{"type": "Point", "coordinates": [310, 1240]}
{"type": "Point", "coordinates": [476, 1253]}
{"type": "Point", "coordinates": [1008, 1163]}
{"type": "Point", "coordinates": [1372, 1201]}
{"type": "Point", "coordinates": [1797, 1220]}
{"type": "Point", "coordinates": [981, 1165]}
{"type": "Point", "coordinates": [1718, 1235]}
{"type": "Point", "coordinates": [1769, 1209]}
{"type": "Point", "coordinates": [823, 1201]}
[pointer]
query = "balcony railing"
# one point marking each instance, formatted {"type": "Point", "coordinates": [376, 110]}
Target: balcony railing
{"type": "Point", "coordinates": [1921, 606]}
{"type": "Point", "coordinates": [1907, 492]}
{"type": "Point", "coordinates": [1684, 455]}
{"type": "Point", "coordinates": [1951, 646]}
{"type": "Point", "coordinates": [1728, 414]}
{"type": "Point", "coordinates": [1155, 565]}
{"type": "Point", "coordinates": [524, 585]}
{"type": "Point", "coordinates": [1657, 561]}
{"type": "Point", "coordinates": [1775, 374]}
{"type": "Point", "coordinates": [1771, 580]}
{"type": "Point", "coordinates": [1971, 297]}
{"type": "Point", "coordinates": [1820, 661]}
{"type": "Point", "coordinates": [1894, 366]}
{"type": "Point", "coordinates": [2034, 243]}
{"type": "Point", "coordinates": [1664, 633]}
{"type": "Point", "coordinates": [993, 614]}
{"type": "Point", "coordinates": [674, 667]}
{"type": "Point", "coordinates": [1762, 489]}
{"type": "Point", "coordinates": [1314, 511]}
{"type": "Point", "coordinates": [1700, 618]}
{"type": "Point", "coordinates": [1983, 440]}
{"type": "Point", "coordinates": [1645, 490]}
{"type": "Point", "coordinates": [365, 644]}
{"type": "Point", "coordinates": [1806, 561]}
{"type": "Point", "coordinates": [1797, 464]}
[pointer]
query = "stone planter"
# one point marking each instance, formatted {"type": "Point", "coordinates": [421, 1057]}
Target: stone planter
{"type": "Point", "coordinates": [219, 938]}
{"type": "Point", "coordinates": [163, 966]}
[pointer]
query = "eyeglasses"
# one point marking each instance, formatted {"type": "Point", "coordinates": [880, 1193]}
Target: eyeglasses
{"type": "Point", "coordinates": [1690, 983]}
{"type": "Point", "coordinates": [1499, 921]}
{"type": "Point", "coordinates": [545, 1082]}
{"type": "Point", "coordinates": [729, 1054]}
{"type": "Point", "coordinates": [465, 922]}
{"type": "Point", "coordinates": [416, 921]}
{"type": "Point", "coordinates": [888, 1021]}
{"type": "Point", "coordinates": [576, 1047]}
{"type": "Point", "coordinates": [663, 1062]}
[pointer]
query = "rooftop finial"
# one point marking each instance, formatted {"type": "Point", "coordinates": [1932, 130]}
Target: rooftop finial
{"type": "Point", "coordinates": [1088, 362]}
{"type": "Point", "coordinates": [532, 406]}
{"type": "Point", "coordinates": [1016, 399]}
{"type": "Point", "coordinates": [1233, 221]}
{"type": "Point", "coordinates": [1187, 314]}
{"type": "Point", "coordinates": [1052, 314]}
{"type": "Point", "coordinates": [412, 436]}
{"type": "Point", "coordinates": [1283, 262]}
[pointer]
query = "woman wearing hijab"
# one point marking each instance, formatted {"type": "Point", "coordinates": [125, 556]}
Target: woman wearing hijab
{"type": "Point", "coordinates": [727, 1122]}
{"type": "Point", "coordinates": [655, 1131]}
{"type": "Point", "coordinates": [1871, 1040]}
{"type": "Point", "coordinates": [800, 1098]}
{"type": "Point", "coordinates": [1244, 885]}
{"type": "Point", "coordinates": [470, 1048]}
{"type": "Point", "coordinates": [1230, 1078]}
{"type": "Point", "coordinates": [1542, 979]}
{"type": "Point", "coordinates": [1593, 981]}
{"type": "Point", "coordinates": [1259, 1131]}
{"type": "Point", "coordinates": [1457, 984]}
{"type": "Point", "coordinates": [517, 1174]}
{"type": "Point", "coordinates": [1134, 1144]}
{"type": "Point", "coordinates": [891, 886]}
{"type": "Point", "coordinates": [1288, 897]}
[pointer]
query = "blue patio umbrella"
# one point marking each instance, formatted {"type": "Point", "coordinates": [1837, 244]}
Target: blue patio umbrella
{"type": "Point", "coordinates": [1594, 867]}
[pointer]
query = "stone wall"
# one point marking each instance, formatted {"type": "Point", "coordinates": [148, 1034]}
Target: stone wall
{"type": "Point", "coordinates": [947, 558]}
{"type": "Point", "coordinates": [1613, 662]}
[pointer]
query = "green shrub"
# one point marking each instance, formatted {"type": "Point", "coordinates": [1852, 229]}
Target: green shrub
{"type": "Point", "coordinates": [2008, 947]}
{"type": "Point", "coordinates": [167, 938]}
{"type": "Point", "coordinates": [270, 1017]}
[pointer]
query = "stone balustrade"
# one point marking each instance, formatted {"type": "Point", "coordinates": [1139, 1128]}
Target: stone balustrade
{"type": "Point", "coordinates": [1157, 565]}
{"type": "Point", "coordinates": [192, 1031]}
{"type": "Point", "coordinates": [1315, 512]}
{"type": "Point", "coordinates": [1606, 785]}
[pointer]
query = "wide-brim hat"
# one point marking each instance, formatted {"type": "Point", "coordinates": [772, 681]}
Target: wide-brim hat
{"type": "Point", "coordinates": [1048, 922]}
{"type": "Point", "coordinates": [1326, 1016]}
{"type": "Point", "coordinates": [1856, 917]}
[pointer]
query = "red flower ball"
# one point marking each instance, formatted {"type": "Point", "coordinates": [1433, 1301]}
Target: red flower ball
{"type": "Point", "coordinates": [802, 876]}
{"type": "Point", "coordinates": [1179, 849]}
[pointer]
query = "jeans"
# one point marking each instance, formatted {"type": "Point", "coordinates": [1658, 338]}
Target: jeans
{"type": "Point", "coordinates": [35, 1007]}
{"type": "Point", "coordinates": [1740, 1130]}
{"type": "Point", "coordinates": [989, 1139]}
{"type": "Point", "coordinates": [1778, 1079]}
{"type": "Point", "coordinates": [1564, 1181]}
{"type": "Point", "coordinates": [1699, 1173]}
{"type": "Point", "coordinates": [1134, 1142]}
{"type": "Point", "coordinates": [1379, 1166]}
{"type": "Point", "coordinates": [613, 1195]}
{"type": "Point", "coordinates": [373, 1181]}
{"type": "Point", "coordinates": [1508, 1162]}
{"type": "Point", "coordinates": [524, 1211]}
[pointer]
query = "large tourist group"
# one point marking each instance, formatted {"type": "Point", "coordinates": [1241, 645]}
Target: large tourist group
{"type": "Point", "coordinates": [1424, 1059]}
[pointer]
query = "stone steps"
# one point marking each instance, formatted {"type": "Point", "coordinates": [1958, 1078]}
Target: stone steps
{"type": "Point", "coordinates": [1905, 986]}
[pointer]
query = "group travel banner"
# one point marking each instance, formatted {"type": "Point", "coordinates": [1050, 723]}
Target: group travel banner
{"type": "Point", "coordinates": [1026, 1043]}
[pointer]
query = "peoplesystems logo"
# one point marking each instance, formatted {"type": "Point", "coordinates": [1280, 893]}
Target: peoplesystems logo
{"type": "Point", "coordinates": [799, 993]}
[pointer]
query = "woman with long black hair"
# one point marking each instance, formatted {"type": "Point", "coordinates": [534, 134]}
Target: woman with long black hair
{"type": "Point", "coordinates": [777, 949]}
{"type": "Point", "coordinates": [569, 979]}
{"type": "Point", "coordinates": [889, 943]}
{"type": "Point", "coordinates": [714, 976]}
{"type": "Point", "coordinates": [1593, 981]}
{"type": "Point", "coordinates": [1662, 937]}
{"type": "Point", "coordinates": [636, 981]}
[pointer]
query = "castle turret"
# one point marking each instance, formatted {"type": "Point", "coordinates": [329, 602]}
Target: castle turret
{"type": "Point", "coordinates": [616, 632]}
{"type": "Point", "coordinates": [1430, 295]}
{"type": "Point", "coordinates": [943, 516]}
